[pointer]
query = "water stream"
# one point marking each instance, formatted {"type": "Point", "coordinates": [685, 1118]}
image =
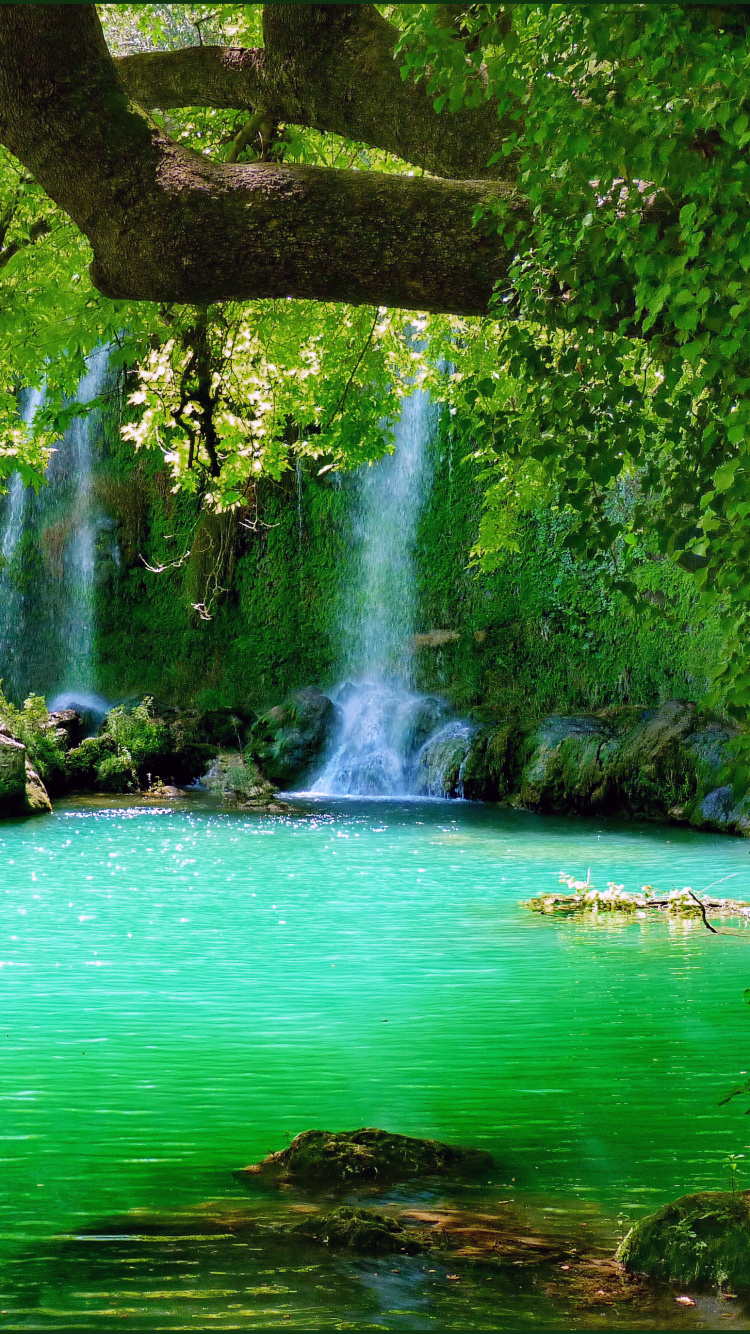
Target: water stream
{"type": "Point", "coordinates": [48, 543]}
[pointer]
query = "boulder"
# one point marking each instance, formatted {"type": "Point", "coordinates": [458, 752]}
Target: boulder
{"type": "Point", "coordinates": [22, 791]}
{"type": "Point", "coordinates": [12, 773]}
{"type": "Point", "coordinates": [438, 769]}
{"type": "Point", "coordinates": [69, 727]}
{"type": "Point", "coordinates": [700, 1241]}
{"type": "Point", "coordinates": [490, 771]}
{"type": "Point", "coordinates": [325, 1158]}
{"type": "Point", "coordinates": [289, 741]}
{"type": "Point", "coordinates": [242, 785]}
{"type": "Point", "coordinates": [37, 798]}
{"type": "Point", "coordinates": [566, 762]}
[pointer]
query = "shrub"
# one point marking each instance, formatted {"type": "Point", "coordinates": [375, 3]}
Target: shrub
{"type": "Point", "coordinates": [115, 774]}
{"type": "Point", "coordinates": [144, 740]}
{"type": "Point", "coordinates": [81, 762]}
{"type": "Point", "coordinates": [44, 748]}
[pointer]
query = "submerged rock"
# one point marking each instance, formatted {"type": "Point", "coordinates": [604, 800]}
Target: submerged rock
{"type": "Point", "coordinates": [289, 741]}
{"type": "Point", "coordinates": [700, 1240]}
{"type": "Point", "coordinates": [361, 1230]}
{"type": "Point", "coordinates": [368, 1155]}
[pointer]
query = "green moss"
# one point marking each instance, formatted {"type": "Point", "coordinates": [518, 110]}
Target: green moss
{"type": "Point", "coordinates": [700, 1241]}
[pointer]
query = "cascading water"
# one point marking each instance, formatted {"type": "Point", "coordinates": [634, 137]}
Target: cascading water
{"type": "Point", "coordinates": [11, 597]}
{"type": "Point", "coordinates": [386, 727]}
{"type": "Point", "coordinates": [49, 561]}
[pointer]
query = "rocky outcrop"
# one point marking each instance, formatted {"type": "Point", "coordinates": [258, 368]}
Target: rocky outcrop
{"type": "Point", "coordinates": [289, 741]}
{"type": "Point", "coordinates": [22, 791]}
{"type": "Point", "coordinates": [700, 1241]}
{"type": "Point", "coordinates": [242, 785]}
{"type": "Point", "coordinates": [439, 763]}
{"type": "Point", "coordinates": [368, 1155]}
{"type": "Point", "coordinates": [668, 763]}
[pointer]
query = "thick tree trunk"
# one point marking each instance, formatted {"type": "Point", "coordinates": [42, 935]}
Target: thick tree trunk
{"type": "Point", "coordinates": [166, 224]}
{"type": "Point", "coordinates": [330, 67]}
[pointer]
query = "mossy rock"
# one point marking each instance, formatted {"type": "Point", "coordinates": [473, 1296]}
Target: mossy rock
{"type": "Point", "coordinates": [289, 741]}
{"type": "Point", "coordinates": [350, 1157]}
{"type": "Point", "coordinates": [700, 1241]}
{"type": "Point", "coordinates": [361, 1230]}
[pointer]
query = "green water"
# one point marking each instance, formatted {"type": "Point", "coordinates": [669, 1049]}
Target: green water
{"type": "Point", "coordinates": [181, 991]}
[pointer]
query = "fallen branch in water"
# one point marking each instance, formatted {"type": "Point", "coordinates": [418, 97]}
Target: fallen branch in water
{"type": "Point", "coordinates": [679, 903]}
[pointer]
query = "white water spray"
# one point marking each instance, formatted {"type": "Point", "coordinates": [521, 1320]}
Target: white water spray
{"type": "Point", "coordinates": [386, 726]}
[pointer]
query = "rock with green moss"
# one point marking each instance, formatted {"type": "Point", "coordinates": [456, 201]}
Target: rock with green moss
{"type": "Point", "coordinates": [700, 1241]}
{"type": "Point", "coordinates": [363, 1231]}
{"type": "Point", "coordinates": [242, 785]}
{"type": "Point", "coordinates": [491, 770]}
{"type": "Point", "coordinates": [566, 765]}
{"type": "Point", "coordinates": [439, 766]}
{"type": "Point", "coordinates": [22, 791]}
{"type": "Point", "coordinates": [289, 741]}
{"type": "Point", "coordinates": [323, 1157]}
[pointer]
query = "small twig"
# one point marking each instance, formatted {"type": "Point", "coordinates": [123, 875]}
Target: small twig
{"type": "Point", "coordinates": [702, 907]}
{"type": "Point", "coordinates": [348, 384]}
{"type": "Point", "coordinates": [171, 565]}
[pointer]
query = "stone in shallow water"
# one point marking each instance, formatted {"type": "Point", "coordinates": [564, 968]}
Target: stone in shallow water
{"type": "Point", "coordinates": [361, 1230]}
{"type": "Point", "coordinates": [699, 1241]}
{"type": "Point", "coordinates": [349, 1157]}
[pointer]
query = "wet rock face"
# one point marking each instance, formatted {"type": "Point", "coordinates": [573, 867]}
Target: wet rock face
{"type": "Point", "coordinates": [438, 770]}
{"type": "Point", "coordinates": [12, 773]}
{"type": "Point", "coordinates": [700, 1240]}
{"type": "Point", "coordinates": [368, 1155]}
{"type": "Point", "coordinates": [288, 742]}
{"type": "Point", "coordinates": [665, 763]}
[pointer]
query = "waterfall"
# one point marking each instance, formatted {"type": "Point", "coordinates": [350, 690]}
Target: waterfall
{"type": "Point", "coordinates": [11, 596]}
{"type": "Point", "coordinates": [47, 583]}
{"type": "Point", "coordinates": [390, 498]}
{"type": "Point", "coordinates": [385, 724]}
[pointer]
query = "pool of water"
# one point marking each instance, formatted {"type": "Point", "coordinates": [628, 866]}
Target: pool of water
{"type": "Point", "coordinates": [181, 991]}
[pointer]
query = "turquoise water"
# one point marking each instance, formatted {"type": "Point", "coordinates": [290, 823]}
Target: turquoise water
{"type": "Point", "coordinates": [183, 990]}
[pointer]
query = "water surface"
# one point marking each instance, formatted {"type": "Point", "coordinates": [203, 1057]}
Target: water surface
{"type": "Point", "coordinates": [183, 990]}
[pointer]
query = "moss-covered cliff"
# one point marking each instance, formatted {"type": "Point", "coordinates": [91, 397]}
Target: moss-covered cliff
{"type": "Point", "coordinates": [540, 634]}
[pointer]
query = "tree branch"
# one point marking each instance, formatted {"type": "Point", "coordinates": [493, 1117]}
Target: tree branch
{"type": "Point", "coordinates": [166, 224]}
{"type": "Point", "coordinates": [332, 68]}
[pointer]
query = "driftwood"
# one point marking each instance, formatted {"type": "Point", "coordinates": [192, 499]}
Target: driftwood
{"type": "Point", "coordinates": [614, 899]}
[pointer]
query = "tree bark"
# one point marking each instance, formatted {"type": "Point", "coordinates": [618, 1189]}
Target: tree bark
{"type": "Point", "coordinates": [330, 67]}
{"type": "Point", "coordinates": [167, 224]}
